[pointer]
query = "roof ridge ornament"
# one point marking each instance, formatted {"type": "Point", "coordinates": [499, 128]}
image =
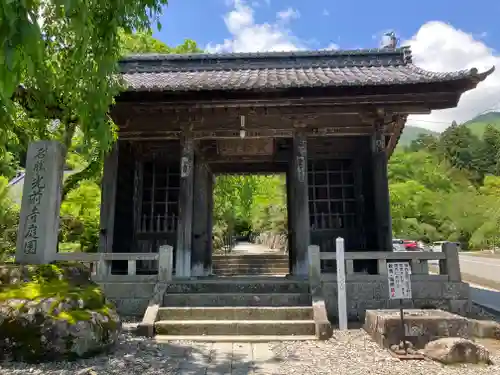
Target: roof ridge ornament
{"type": "Point", "coordinates": [389, 40]}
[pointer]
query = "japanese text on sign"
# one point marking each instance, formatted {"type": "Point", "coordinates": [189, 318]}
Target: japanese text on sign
{"type": "Point", "coordinates": [35, 198]}
{"type": "Point", "coordinates": [398, 274]}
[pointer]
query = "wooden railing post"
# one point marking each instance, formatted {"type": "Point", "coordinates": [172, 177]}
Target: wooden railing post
{"type": "Point", "coordinates": [451, 265]}
{"type": "Point", "coordinates": [103, 267]}
{"type": "Point", "coordinates": [132, 267]}
{"type": "Point", "coordinates": [165, 261]}
{"type": "Point", "coordinates": [314, 271]}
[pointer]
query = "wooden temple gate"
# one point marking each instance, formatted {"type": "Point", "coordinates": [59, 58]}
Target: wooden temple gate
{"type": "Point", "coordinates": [316, 116]}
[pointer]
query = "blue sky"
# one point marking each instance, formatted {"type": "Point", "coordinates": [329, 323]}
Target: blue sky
{"type": "Point", "coordinates": [445, 35]}
{"type": "Point", "coordinates": [322, 22]}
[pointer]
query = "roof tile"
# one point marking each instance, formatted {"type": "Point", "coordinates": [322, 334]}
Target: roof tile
{"type": "Point", "coordinates": [278, 70]}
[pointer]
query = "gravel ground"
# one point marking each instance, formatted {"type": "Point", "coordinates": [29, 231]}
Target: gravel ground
{"type": "Point", "coordinates": [351, 352]}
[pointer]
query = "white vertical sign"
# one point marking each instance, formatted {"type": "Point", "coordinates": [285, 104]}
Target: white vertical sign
{"type": "Point", "coordinates": [398, 274]}
{"type": "Point", "coordinates": [341, 292]}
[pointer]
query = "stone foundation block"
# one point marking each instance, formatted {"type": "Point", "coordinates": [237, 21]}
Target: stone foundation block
{"type": "Point", "coordinates": [421, 326]}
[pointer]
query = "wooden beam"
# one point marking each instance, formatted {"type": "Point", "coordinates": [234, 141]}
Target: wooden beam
{"type": "Point", "coordinates": [108, 200]}
{"type": "Point", "coordinates": [340, 131]}
{"type": "Point", "coordinates": [185, 223]}
{"type": "Point", "coordinates": [421, 100]}
{"type": "Point", "coordinates": [397, 131]}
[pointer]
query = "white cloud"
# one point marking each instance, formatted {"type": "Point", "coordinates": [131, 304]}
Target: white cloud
{"type": "Point", "coordinates": [248, 36]}
{"type": "Point", "coordinates": [440, 47]}
{"type": "Point", "coordinates": [287, 15]}
{"type": "Point", "coordinates": [331, 46]}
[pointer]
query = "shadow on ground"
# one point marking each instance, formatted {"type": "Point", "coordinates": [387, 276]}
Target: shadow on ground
{"type": "Point", "coordinates": [134, 355]}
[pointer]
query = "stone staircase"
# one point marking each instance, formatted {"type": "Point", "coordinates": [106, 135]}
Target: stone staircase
{"type": "Point", "coordinates": [250, 264]}
{"type": "Point", "coordinates": [236, 309]}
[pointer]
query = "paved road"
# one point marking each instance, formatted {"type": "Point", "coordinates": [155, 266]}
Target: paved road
{"type": "Point", "coordinates": [252, 248]}
{"type": "Point", "coordinates": [485, 268]}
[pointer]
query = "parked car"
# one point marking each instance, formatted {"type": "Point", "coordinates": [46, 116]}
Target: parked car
{"type": "Point", "coordinates": [438, 246]}
{"type": "Point", "coordinates": [398, 245]}
{"type": "Point", "coordinates": [411, 245]}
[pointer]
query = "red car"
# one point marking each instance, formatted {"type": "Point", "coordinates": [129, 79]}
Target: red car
{"type": "Point", "coordinates": [410, 245]}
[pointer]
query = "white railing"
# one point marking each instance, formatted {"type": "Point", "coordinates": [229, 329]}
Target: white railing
{"type": "Point", "coordinates": [447, 265]}
{"type": "Point", "coordinates": [101, 264]}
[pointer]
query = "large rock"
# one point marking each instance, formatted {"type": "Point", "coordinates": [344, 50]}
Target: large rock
{"type": "Point", "coordinates": [454, 350]}
{"type": "Point", "coordinates": [51, 312]}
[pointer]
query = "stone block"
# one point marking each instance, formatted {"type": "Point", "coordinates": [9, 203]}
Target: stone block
{"type": "Point", "coordinates": [421, 326]}
{"type": "Point", "coordinates": [460, 307]}
{"type": "Point", "coordinates": [323, 328]}
{"type": "Point", "coordinates": [39, 218]}
{"type": "Point", "coordinates": [128, 290]}
{"type": "Point", "coordinates": [487, 329]}
{"type": "Point", "coordinates": [147, 326]}
{"type": "Point", "coordinates": [455, 290]}
{"type": "Point", "coordinates": [130, 306]}
{"type": "Point", "coordinates": [427, 289]}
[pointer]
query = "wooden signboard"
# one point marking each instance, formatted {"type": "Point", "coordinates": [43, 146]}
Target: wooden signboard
{"type": "Point", "coordinates": [245, 147]}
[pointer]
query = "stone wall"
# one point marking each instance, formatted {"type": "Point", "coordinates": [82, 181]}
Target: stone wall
{"type": "Point", "coordinates": [273, 240]}
{"type": "Point", "coordinates": [366, 295]}
{"type": "Point", "coordinates": [131, 299]}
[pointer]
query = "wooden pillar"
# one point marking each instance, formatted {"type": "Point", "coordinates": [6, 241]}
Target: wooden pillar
{"type": "Point", "coordinates": [185, 223]}
{"type": "Point", "coordinates": [290, 222]}
{"type": "Point", "coordinates": [201, 212]}
{"type": "Point", "coordinates": [108, 200]}
{"type": "Point", "coordinates": [381, 189]}
{"type": "Point", "coordinates": [210, 215]}
{"type": "Point", "coordinates": [300, 212]}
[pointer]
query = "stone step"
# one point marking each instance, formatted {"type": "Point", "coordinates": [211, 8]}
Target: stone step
{"type": "Point", "coordinates": [163, 339]}
{"type": "Point", "coordinates": [250, 271]}
{"type": "Point", "coordinates": [237, 262]}
{"type": "Point", "coordinates": [236, 299]}
{"type": "Point", "coordinates": [251, 264]}
{"type": "Point", "coordinates": [250, 257]}
{"type": "Point", "coordinates": [258, 267]}
{"type": "Point", "coordinates": [236, 313]}
{"type": "Point", "coordinates": [235, 327]}
{"type": "Point", "coordinates": [255, 284]}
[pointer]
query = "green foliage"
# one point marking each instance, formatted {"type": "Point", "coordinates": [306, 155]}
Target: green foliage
{"type": "Point", "coordinates": [143, 42]}
{"type": "Point", "coordinates": [80, 216]}
{"type": "Point", "coordinates": [65, 53]}
{"type": "Point", "coordinates": [448, 188]}
{"type": "Point", "coordinates": [478, 124]}
{"type": "Point", "coordinates": [250, 204]}
{"type": "Point", "coordinates": [9, 220]}
{"type": "Point", "coordinates": [410, 133]}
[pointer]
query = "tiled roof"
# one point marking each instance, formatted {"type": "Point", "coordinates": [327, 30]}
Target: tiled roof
{"type": "Point", "coordinates": [279, 70]}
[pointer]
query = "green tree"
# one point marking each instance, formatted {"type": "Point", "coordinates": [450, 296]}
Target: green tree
{"type": "Point", "coordinates": [462, 149]}
{"type": "Point", "coordinates": [424, 142]}
{"type": "Point", "coordinates": [490, 150]}
{"type": "Point", "coordinates": [65, 54]}
{"type": "Point", "coordinates": [9, 219]}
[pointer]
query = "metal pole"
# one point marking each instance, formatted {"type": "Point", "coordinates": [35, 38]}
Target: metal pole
{"type": "Point", "coordinates": [403, 331]}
